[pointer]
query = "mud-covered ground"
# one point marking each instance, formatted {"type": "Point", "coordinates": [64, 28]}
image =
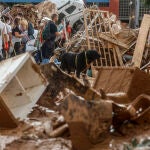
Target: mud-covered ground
{"type": "Point", "coordinates": [36, 132]}
{"type": "Point", "coordinates": [33, 134]}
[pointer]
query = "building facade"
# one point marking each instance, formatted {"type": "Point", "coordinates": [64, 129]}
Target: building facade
{"type": "Point", "coordinates": [124, 9]}
{"type": "Point", "coordinates": [121, 7]}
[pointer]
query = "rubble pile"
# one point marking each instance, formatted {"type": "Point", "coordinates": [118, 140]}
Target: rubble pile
{"type": "Point", "coordinates": [50, 109]}
{"type": "Point", "coordinates": [79, 112]}
{"type": "Point", "coordinates": [92, 117]}
{"type": "Point", "coordinates": [116, 44]}
{"type": "Point", "coordinates": [1, 7]}
{"type": "Point", "coordinates": [140, 143]}
{"type": "Point", "coordinates": [104, 33]}
{"type": "Point", "coordinates": [37, 12]}
{"type": "Point", "coordinates": [42, 129]}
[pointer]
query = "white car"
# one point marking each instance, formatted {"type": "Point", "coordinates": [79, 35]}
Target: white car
{"type": "Point", "coordinates": [72, 10]}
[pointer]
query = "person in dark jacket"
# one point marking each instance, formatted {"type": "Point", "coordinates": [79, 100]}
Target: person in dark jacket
{"type": "Point", "coordinates": [49, 43]}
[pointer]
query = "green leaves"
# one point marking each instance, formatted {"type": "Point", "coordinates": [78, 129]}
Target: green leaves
{"type": "Point", "coordinates": [146, 2]}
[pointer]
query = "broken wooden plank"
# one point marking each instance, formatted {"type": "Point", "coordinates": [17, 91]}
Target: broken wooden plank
{"type": "Point", "coordinates": [43, 9]}
{"type": "Point", "coordinates": [113, 41]}
{"type": "Point", "coordinates": [86, 30]}
{"type": "Point", "coordinates": [141, 41]}
{"type": "Point", "coordinates": [119, 55]}
{"type": "Point", "coordinates": [85, 33]}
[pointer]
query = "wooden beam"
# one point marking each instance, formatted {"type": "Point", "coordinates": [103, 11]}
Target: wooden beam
{"type": "Point", "coordinates": [141, 41]}
{"type": "Point", "coordinates": [86, 29]}
{"type": "Point", "coordinates": [119, 55]}
{"type": "Point", "coordinates": [113, 41]}
{"type": "Point", "coordinates": [85, 33]}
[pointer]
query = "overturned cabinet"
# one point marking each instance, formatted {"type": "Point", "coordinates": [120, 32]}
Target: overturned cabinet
{"type": "Point", "coordinates": [20, 87]}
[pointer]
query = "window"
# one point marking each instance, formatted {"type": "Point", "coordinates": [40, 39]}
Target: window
{"type": "Point", "coordinates": [61, 16]}
{"type": "Point", "coordinates": [124, 10]}
{"type": "Point", "coordinates": [143, 10]}
{"type": "Point", "coordinates": [70, 9]}
{"type": "Point", "coordinates": [100, 4]}
{"type": "Point", "coordinates": [103, 4]}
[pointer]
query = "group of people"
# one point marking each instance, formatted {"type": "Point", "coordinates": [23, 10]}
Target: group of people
{"type": "Point", "coordinates": [14, 36]}
{"type": "Point", "coordinates": [50, 36]}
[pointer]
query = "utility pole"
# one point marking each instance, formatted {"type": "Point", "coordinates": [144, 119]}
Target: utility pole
{"type": "Point", "coordinates": [132, 8]}
{"type": "Point", "coordinates": [137, 12]}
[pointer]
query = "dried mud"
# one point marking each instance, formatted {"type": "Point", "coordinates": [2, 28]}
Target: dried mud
{"type": "Point", "coordinates": [32, 133]}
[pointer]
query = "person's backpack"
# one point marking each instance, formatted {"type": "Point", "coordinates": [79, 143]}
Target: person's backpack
{"type": "Point", "coordinates": [30, 29]}
{"type": "Point", "coordinates": [46, 34]}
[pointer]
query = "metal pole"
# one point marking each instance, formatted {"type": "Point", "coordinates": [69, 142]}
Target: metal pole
{"type": "Point", "coordinates": [65, 30]}
{"type": "Point", "coordinates": [137, 10]}
{"type": "Point", "coordinates": [132, 14]}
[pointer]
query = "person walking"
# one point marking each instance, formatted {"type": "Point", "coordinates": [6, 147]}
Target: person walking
{"type": "Point", "coordinates": [8, 43]}
{"type": "Point", "coordinates": [3, 37]}
{"type": "Point", "coordinates": [17, 36]}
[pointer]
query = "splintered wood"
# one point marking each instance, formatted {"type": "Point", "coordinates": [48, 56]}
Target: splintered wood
{"type": "Point", "coordinates": [37, 12]}
{"type": "Point", "coordinates": [103, 33]}
{"type": "Point", "coordinates": [97, 22]}
{"type": "Point", "coordinates": [142, 49]}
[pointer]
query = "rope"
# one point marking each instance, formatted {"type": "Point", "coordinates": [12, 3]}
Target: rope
{"type": "Point", "coordinates": [86, 59]}
{"type": "Point", "coordinates": [76, 59]}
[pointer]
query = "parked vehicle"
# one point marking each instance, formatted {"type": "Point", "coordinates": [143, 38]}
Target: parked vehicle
{"type": "Point", "coordinates": [71, 10]}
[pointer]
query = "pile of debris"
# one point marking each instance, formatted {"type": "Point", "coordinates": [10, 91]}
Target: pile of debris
{"type": "Point", "coordinates": [115, 107]}
{"type": "Point", "coordinates": [104, 33]}
{"type": "Point", "coordinates": [142, 143]}
{"type": "Point", "coordinates": [37, 12]}
{"type": "Point", "coordinates": [42, 129]}
{"type": "Point", "coordinates": [1, 7]}
{"type": "Point", "coordinates": [90, 113]}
